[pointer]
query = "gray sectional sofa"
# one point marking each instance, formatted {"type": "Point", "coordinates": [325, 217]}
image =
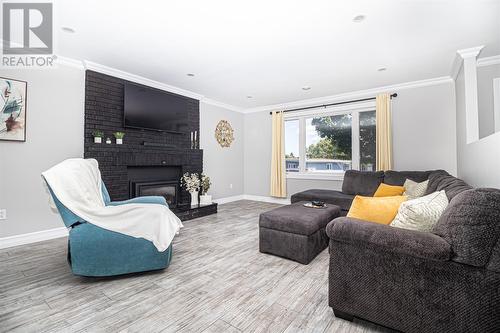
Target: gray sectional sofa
{"type": "Point", "coordinates": [447, 280]}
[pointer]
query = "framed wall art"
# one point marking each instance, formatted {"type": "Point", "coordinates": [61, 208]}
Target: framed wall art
{"type": "Point", "coordinates": [13, 109]}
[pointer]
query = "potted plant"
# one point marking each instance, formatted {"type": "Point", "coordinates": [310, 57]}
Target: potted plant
{"type": "Point", "coordinates": [191, 182]}
{"type": "Point", "coordinates": [98, 135]}
{"type": "Point", "coordinates": [119, 137]}
{"type": "Point", "coordinates": [205, 199]}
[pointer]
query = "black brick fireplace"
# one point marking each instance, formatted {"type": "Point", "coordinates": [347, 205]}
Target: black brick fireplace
{"type": "Point", "coordinates": [145, 156]}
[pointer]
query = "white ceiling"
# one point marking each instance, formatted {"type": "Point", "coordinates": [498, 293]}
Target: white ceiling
{"type": "Point", "coordinates": [270, 49]}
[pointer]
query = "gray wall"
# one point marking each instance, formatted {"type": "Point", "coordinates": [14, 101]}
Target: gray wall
{"type": "Point", "coordinates": [54, 133]}
{"type": "Point", "coordinates": [485, 76]}
{"type": "Point", "coordinates": [224, 166]}
{"type": "Point", "coordinates": [424, 134]}
{"type": "Point", "coordinates": [478, 162]}
{"type": "Point", "coordinates": [424, 138]}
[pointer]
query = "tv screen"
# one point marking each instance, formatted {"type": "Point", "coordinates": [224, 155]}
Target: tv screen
{"type": "Point", "coordinates": [149, 108]}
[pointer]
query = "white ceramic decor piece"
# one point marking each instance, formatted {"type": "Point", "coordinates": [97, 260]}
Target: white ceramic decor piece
{"type": "Point", "coordinates": [97, 139]}
{"type": "Point", "coordinates": [119, 141]}
{"type": "Point", "coordinates": [205, 199]}
{"type": "Point", "coordinates": [194, 198]}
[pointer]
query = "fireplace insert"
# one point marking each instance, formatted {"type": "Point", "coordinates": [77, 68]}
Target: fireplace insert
{"type": "Point", "coordinates": [167, 189]}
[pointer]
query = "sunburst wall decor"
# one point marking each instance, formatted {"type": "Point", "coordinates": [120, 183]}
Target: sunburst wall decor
{"type": "Point", "coordinates": [224, 133]}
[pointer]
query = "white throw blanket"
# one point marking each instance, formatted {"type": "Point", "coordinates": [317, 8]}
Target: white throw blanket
{"type": "Point", "coordinates": [77, 184]}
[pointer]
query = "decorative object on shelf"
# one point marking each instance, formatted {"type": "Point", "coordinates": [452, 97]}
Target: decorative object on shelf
{"type": "Point", "coordinates": [119, 137]}
{"type": "Point", "coordinates": [12, 110]}
{"type": "Point", "coordinates": [98, 135]}
{"type": "Point", "coordinates": [224, 133]}
{"type": "Point", "coordinates": [108, 141]}
{"type": "Point", "coordinates": [205, 199]}
{"type": "Point", "coordinates": [191, 182]}
{"type": "Point", "coordinates": [195, 142]}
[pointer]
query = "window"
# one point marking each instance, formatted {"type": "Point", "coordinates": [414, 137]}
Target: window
{"type": "Point", "coordinates": [292, 145]}
{"type": "Point", "coordinates": [367, 135]}
{"type": "Point", "coordinates": [330, 141]}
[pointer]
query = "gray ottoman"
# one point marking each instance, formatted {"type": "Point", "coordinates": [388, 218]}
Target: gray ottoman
{"type": "Point", "coordinates": [295, 232]}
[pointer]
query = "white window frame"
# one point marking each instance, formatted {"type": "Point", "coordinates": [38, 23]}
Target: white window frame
{"type": "Point", "coordinates": [354, 109]}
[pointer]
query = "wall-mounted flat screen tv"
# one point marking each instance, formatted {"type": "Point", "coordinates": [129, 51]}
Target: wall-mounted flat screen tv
{"type": "Point", "coordinates": [149, 108]}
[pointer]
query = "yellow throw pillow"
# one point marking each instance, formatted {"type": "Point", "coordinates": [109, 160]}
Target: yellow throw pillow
{"type": "Point", "coordinates": [376, 209]}
{"type": "Point", "coordinates": [385, 190]}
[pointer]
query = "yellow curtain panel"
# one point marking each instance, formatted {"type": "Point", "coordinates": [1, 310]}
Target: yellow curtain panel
{"type": "Point", "coordinates": [278, 181]}
{"type": "Point", "coordinates": [384, 132]}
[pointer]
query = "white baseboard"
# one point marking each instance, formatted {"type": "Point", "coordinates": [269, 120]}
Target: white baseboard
{"type": "Point", "coordinates": [39, 236]}
{"type": "Point", "coordinates": [229, 199]}
{"type": "Point", "coordinates": [32, 237]}
{"type": "Point", "coordinates": [284, 201]}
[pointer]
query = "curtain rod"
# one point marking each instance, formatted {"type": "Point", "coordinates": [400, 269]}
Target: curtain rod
{"type": "Point", "coordinates": [332, 104]}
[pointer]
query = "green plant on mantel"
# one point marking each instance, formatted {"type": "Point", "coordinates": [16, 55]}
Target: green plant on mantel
{"type": "Point", "coordinates": [98, 134]}
{"type": "Point", "coordinates": [119, 135]}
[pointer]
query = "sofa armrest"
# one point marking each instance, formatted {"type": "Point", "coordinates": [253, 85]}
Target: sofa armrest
{"type": "Point", "coordinates": [413, 243]}
{"type": "Point", "coordinates": [141, 200]}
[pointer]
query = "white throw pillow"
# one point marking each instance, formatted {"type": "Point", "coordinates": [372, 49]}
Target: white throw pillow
{"type": "Point", "coordinates": [415, 190]}
{"type": "Point", "coordinates": [421, 213]}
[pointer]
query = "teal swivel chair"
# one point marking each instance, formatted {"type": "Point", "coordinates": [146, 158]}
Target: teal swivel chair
{"type": "Point", "coordinates": [94, 251]}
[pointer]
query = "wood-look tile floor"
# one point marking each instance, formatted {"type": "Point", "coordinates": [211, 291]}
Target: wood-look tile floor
{"type": "Point", "coordinates": [217, 282]}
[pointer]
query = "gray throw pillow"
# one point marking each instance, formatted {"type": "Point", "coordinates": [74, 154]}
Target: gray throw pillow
{"type": "Point", "coordinates": [421, 213]}
{"type": "Point", "coordinates": [415, 190]}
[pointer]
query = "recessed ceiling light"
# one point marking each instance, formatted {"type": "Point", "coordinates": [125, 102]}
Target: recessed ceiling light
{"type": "Point", "coordinates": [358, 18]}
{"type": "Point", "coordinates": [68, 30]}
{"type": "Point", "coordinates": [382, 69]}
{"type": "Point", "coordinates": [190, 74]}
{"type": "Point", "coordinates": [306, 88]}
{"type": "Point", "coordinates": [249, 96]}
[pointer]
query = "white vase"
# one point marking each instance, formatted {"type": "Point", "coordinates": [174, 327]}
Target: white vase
{"type": "Point", "coordinates": [119, 141]}
{"type": "Point", "coordinates": [194, 198]}
{"type": "Point", "coordinates": [97, 139]}
{"type": "Point", "coordinates": [205, 199]}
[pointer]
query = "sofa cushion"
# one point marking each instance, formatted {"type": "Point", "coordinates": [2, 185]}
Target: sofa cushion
{"type": "Point", "coordinates": [375, 209]}
{"type": "Point", "coordinates": [421, 213]}
{"type": "Point", "coordinates": [398, 177]}
{"type": "Point", "coordinates": [442, 180]}
{"type": "Point", "coordinates": [471, 224]}
{"type": "Point", "coordinates": [415, 190]}
{"type": "Point", "coordinates": [362, 182]}
{"type": "Point", "coordinates": [329, 196]}
{"type": "Point", "coordinates": [297, 219]}
{"type": "Point", "coordinates": [385, 190]}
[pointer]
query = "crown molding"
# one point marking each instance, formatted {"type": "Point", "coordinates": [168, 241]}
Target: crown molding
{"type": "Point", "coordinates": [69, 62]}
{"type": "Point", "coordinates": [223, 105]}
{"type": "Point", "coordinates": [351, 95]}
{"type": "Point", "coordinates": [470, 52]}
{"type": "Point", "coordinates": [89, 65]}
{"type": "Point", "coordinates": [455, 67]}
{"type": "Point", "coordinates": [488, 61]}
